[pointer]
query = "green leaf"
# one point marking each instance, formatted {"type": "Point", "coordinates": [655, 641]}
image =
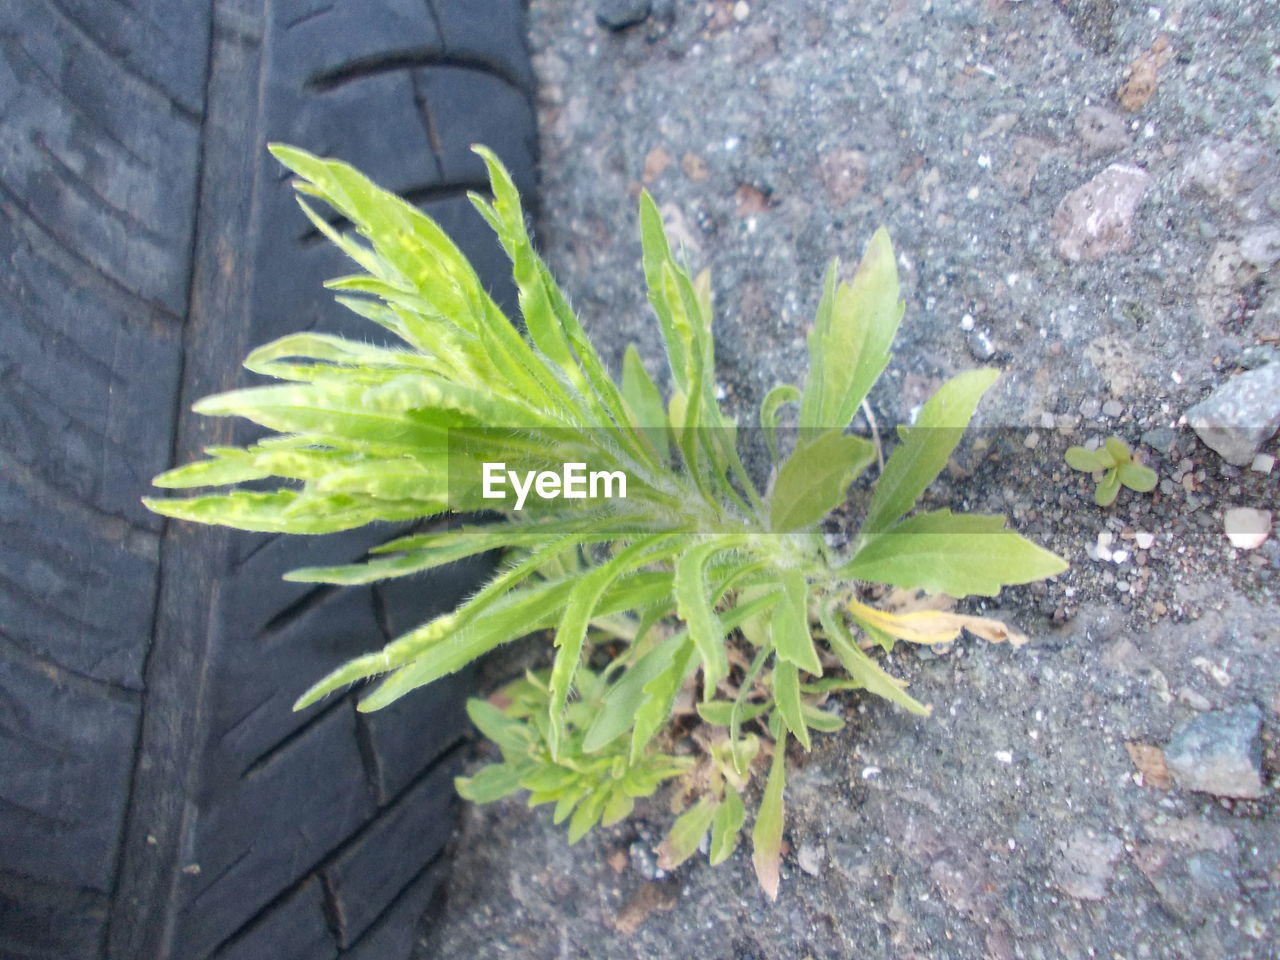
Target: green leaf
{"type": "Point", "coordinates": [288, 511]}
{"type": "Point", "coordinates": [657, 256]}
{"type": "Point", "coordinates": [1118, 449]}
{"type": "Point", "coordinates": [587, 815]}
{"type": "Point", "coordinates": [581, 607]}
{"type": "Point", "coordinates": [862, 668]}
{"type": "Point", "coordinates": [686, 834]}
{"type": "Point", "coordinates": [490, 783]}
{"type": "Point", "coordinates": [660, 694]}
{"type": "Point", "coordinates": [775, 398]}
{"type": "Point", "coordinates": [726, 826]}
{"type": "Point", "coordinates": [815, 479]}
{"type": "Point", "coordinates": [720, 712]}
{"type": "Point", "coordinates": [766, 835]}
{"type": "Point", "coordinates": [617, 809]}
{"type": "Point", "coordinates": [645, 402]}
{"type": "Point", "coordinates": [694, 608]}
{"type": "Point", "coordinates": [786, 693]}
{"type": "Point", "coordinates": [618, 709]}
{"type": "Point", "coordinates": [1136, 477]}
{"type": "Point", "coordinates": [1108, 489]}
{"type": "Point", "coordinates": [822, 720]}
{"type": "Point", "coordinates": [1081, 458]}
{"type": "Point", "coordinates": [508, 734]}
{"type": "Point", "coordinates": [849, 346]}
{"type": "Point", "coordinates": [920, 458]}
{"type": "Point", "coordinates": [789, 625]}
{"type": "Point", "coordinates": [956, 554]}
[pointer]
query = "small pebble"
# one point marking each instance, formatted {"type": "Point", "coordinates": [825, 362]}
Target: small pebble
{"type": "Point", "coordinates": [1089, 408]}
{"type": "Point", "coordinates": [1144, 540]}
{"type": "Point", "coordinates": [1032, 440]}
{"type": "Point", "coordinates": [741, 10]}
{"type": "Point", "coordinates": [1112, 409]}
{"type": "Point", "coordinates": [1048, 421]}
{"type": "Point", "coordinates": [1246, 527]}
{"type": "Point", "coordinates": [1263, 463]}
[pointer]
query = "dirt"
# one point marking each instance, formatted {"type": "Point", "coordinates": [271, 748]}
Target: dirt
{"type": "Point", "coordinates": [1031, 815]}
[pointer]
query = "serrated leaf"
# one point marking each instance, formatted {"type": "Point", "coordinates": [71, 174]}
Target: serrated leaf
{"type": "Point", "coordinates": [686, 834]}
{"type": "Point", "coordinates": [660, 695]}
{"type": "Point", "coordinates": [766, 835]}
{"type": "Point", "coordinates": [694, 607]}
{"type": "Point", "coordinates": [955, 554]}
{"type": "Point", "coordinates": [786, 693]}
{"type": "Point", "coordinates": [789, 625]}
{"type": "Point", "coordinates": [915, 463]}
{"type": "Point", "coordinates": [815, 479]}
{"type": "Point", "coordinates": [726, 826]}
{"type": "Point", "coordinates": [1136, 477]}
{"type": "Point", "coordinates": [582, 605]}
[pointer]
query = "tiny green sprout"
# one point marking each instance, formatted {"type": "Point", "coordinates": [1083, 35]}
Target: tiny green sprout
{"type": "Point", "coordinates": [1115, 461]}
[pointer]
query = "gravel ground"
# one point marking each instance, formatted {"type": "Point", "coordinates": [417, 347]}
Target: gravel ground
{"type": "Point", "coordinates": [1087, 195]}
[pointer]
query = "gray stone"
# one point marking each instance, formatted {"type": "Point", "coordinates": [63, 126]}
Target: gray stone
{"type": "Point", "coordinates": [1096, 219]}
{"type": "Point", "coordinates": [1160, 438]}
{"type": "Point", "coordinates": [1240, 415]}
{"type": "Point", "coordinates": [1086, 865]}
{"type": "Point", "coordinates": [1219, 752]}
{"type": "Point", "coordinates": [1112, 409]}
{"type": "Point", "coordinates": [1101, 131]}
{"type": "Point", "coordinates": [620, 14]}
{"type": "Point", "coordinates": [1195, 887]}
{"type": "Point", "coordinates": [1261, 247]}
{"type": "Point", "coordinates": [1089, 408]}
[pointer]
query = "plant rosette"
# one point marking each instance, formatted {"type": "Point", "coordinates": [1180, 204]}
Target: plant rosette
{"type": "Point", "coordinates": [1112, 466]}
{"type": "Point", "coordinates": [701, 596]}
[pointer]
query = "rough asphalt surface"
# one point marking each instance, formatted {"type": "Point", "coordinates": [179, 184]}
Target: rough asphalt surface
{"type": "Point", "coordinates": [1086, 195]}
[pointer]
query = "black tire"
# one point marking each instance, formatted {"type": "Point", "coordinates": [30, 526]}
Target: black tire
{"type": "Point", "coordinates": [158, 797]}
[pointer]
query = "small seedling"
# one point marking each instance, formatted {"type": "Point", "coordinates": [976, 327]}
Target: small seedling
{"type": "Point", "coordinates": [1114, 461]}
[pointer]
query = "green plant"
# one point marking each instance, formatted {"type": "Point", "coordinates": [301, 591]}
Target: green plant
{"type": "Point", "coordinates": [698, 571]}
{"type": "Point", "coordinates": [1113, 465]}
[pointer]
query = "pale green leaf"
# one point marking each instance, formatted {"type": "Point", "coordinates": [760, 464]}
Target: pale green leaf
{"type": "Point", "coordinates": [789, 625]}
{"type": "Point", "coordinates": [920, 458]}
{"type": "Point", "coordinates": [1082, 458]}
{"type": "Point", "coordinates": [955, 554]}
{"type": "Point", "coordinates": [727, 825]}
{"type": "Point", "coordinates": [786, 693]}
{"type": "Point", "coordinates": [766, 835]}
{"type": "Point", "coordinates": [1136, 477]}
{"type": "Point", "coordinates": [815, 479]}
{"type": "Point", "coordinates": [490, 783]}
{"type": "Point", "coordinates": [686, 834]}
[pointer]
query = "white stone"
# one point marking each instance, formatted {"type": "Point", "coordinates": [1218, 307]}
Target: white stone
{"type": "Point", "coordinates": [1246, 527]}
